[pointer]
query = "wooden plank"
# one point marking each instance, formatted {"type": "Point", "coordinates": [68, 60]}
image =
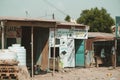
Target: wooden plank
{"type": "Point", "coordinates": [57, 66]}
{"type": "Point", "coordinates": [44, 63]}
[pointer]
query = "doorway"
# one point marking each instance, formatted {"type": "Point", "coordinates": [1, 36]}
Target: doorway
{"type": "Point", "coordinates": [79, 53]}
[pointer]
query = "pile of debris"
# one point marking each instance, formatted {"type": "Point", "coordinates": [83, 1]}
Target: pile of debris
{"type": "Point", "coordinates": [10, 69]}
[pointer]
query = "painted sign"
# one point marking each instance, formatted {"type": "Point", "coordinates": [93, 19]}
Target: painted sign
{"type": "Point", "coordinates": [61, 33]}
{"type": "Point", "coordinates": [67, 53]}
{"type": "Point", "coordinates": [13, 32]}
{"type": "Point", "coordinates": [63, 55]}
{"type": "Point", "coordinates": [80, 34]}
{"type": "Point", "coordinates": [117, 26]}
{"type": "Point", "coordinates": [72, 33]}
{"type": "Point", "coordinates": [71, 53]}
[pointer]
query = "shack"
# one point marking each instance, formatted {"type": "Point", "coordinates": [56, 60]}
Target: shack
{"type": "Point", "coordinates": [97, 42]}
{"type": "Point", "coordinates": [70, 43]}
{"type": "Point", "coordinates": [33, 34]}
{"type": "Point", "coordinates": [44, 39]}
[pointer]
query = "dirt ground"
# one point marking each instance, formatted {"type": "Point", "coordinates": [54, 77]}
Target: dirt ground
{"type": "Point", "coordinates": [101, 73]}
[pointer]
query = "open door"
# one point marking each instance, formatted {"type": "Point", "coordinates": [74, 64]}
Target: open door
{"type": "Point", "coordinates": [79, 53]}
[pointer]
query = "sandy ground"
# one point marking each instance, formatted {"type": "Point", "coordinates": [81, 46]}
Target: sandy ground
{"type": "Point", "coordinates": [101, 73]}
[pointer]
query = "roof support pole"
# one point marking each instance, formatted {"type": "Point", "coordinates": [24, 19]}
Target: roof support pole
{"type": "Point", "coordinates": [3, 33]}
{"type": "Point", "coordinates": [115, 52]}
{"type": "Point", "coordinates": [32, 66]}
{"type": "Point", "coordinates": [54, 49]}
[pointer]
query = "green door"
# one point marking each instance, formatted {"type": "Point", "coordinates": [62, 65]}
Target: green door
{"type": "Point", "coordinates": [79, 52]}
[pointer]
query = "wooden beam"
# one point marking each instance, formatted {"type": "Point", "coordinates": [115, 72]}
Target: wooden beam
{"type": "Point", "coordinates": [30, 23]}
{"type": "Point", "coordinates": [69, 26]}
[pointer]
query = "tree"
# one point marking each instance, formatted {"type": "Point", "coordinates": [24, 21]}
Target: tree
{"type": "Point", "coordinates": [98, 20]}
{"type": "Point", "coordinates": [67, 18]}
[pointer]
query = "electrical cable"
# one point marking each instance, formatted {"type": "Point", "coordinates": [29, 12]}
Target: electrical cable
{"type": "Point", "coordinates": [50, 4]}
{"type": "Point", "coordinates": [61, 11]}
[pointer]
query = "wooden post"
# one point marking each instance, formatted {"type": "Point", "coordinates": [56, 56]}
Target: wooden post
{"type": "Point", "coordinates": [115, 52]}
{"type": "Point", "coordinates": [54, 50]}
{"type": "Point", "coordinates": [54, 46]}
{"type": "Point", "coordinates": [3, 33]}
{"type": "Point", "coordinates": [32, 66]}
{"type": "Point", "coordinates": [53, 17]}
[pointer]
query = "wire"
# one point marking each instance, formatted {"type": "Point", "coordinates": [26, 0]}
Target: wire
{"type": "Point", "coordinates": [50, 4]}
{"type": "Point", "coordinates": [61, 11]}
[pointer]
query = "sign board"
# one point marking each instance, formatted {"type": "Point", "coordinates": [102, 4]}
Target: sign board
{"type": "Point", "coordinates": [80, 34]}
{"type": "Point", "coordinates": [62, 33]}
{"type": "Point", "coordinates": [72, 33]}
{"type": "Point", "coordinates": [117, 26]}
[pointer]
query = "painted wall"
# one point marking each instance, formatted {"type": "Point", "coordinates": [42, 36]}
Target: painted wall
{"type": "Point", "coordinates": [67, 43]}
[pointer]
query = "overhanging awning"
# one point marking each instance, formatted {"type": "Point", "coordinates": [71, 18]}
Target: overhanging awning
{"type": "Point", "coordinates": [13, 21]}
{"type": "Point", "coordinates": [99, 36]}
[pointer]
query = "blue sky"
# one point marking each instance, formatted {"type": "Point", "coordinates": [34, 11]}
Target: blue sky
{"type": "Point", "coordinates": [45, 8]}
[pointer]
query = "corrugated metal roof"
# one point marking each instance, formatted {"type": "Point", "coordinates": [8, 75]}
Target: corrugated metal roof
{"type": "Point", "coordinates": [95, 34]}
{"type": "Point", "coordinates": [59, 23]}
{"type": "Point", "coordinates": [3, 18]}
{"type": "Point", "coordinates": [99, 36]}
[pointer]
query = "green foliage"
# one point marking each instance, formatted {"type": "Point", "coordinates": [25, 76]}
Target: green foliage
{"type": "Point", "coordinates": [67, 18]}
{"type": "Point", "coordinates": [98, 20]}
